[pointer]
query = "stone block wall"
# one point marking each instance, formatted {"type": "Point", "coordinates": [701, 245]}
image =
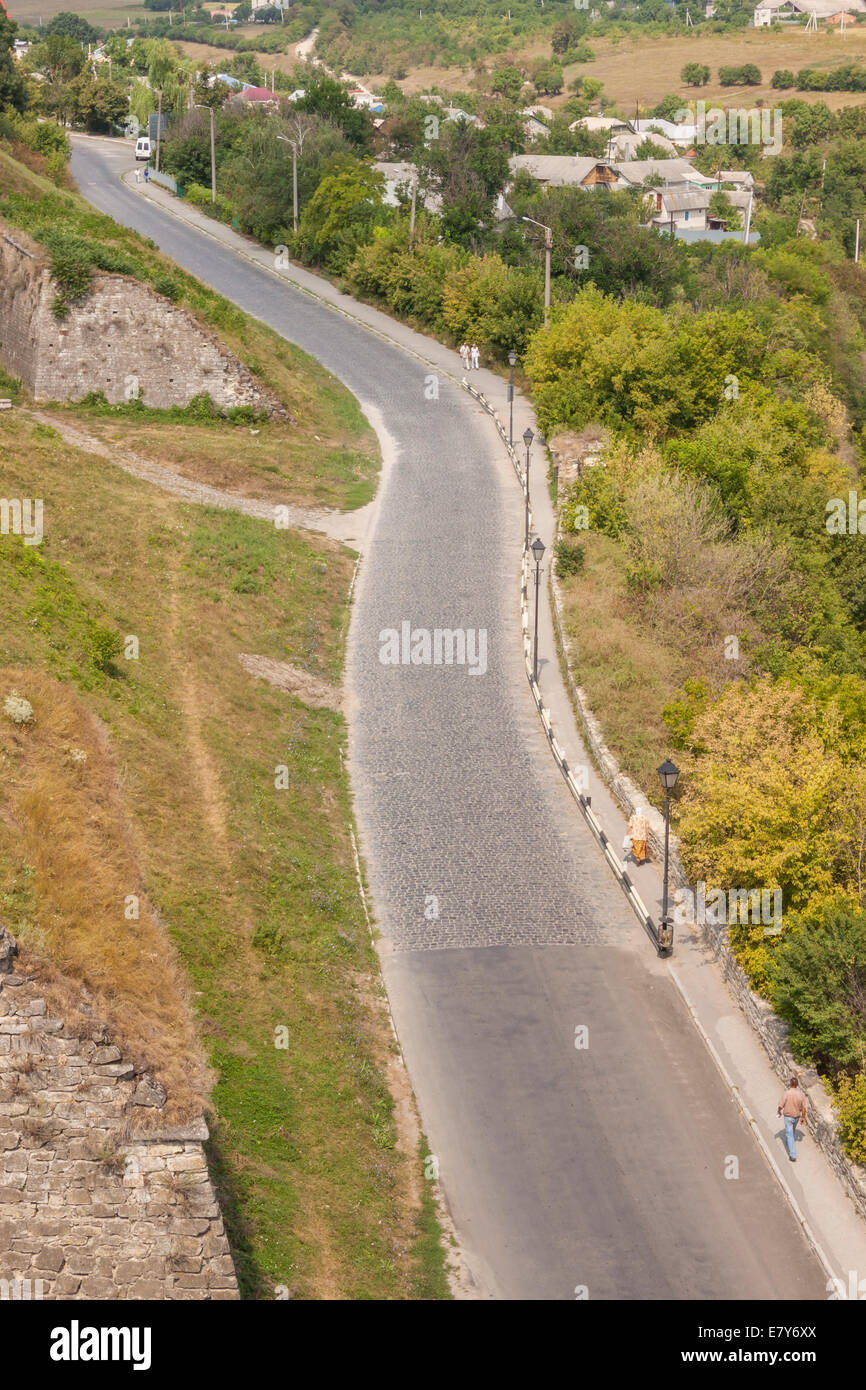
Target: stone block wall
{"type": "Point", "coordinates": [90, 1208]}
{"type": "Point", "coordinates": [120, 337]}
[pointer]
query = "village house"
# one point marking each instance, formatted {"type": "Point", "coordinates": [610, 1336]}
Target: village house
{"type": "Point", "coordinates": [788, 11]}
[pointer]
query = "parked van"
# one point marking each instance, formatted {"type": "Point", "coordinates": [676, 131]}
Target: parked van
{"type": "Point", "coordinates": [142, 147]}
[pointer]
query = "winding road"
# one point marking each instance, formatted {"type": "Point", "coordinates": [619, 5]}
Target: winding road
{"type": "Point", "coordinates": [569, 1171]}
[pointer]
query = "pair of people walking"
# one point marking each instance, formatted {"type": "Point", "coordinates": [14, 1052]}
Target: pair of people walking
{"type": "Point", "coordinates": [470, 356]}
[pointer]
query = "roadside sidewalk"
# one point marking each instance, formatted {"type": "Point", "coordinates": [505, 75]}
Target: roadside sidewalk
{"type": "Point", "coordinates": [815, 1193]}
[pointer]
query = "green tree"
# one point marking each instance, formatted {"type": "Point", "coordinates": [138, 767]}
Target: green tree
{"type": "Point", "coordinates": [341, 215]}
{"type": "Point", "coordinates": [97, 103]}
{"type": "Point", "coordinates": [547, 78]}
{"type": "Point", "coordinates": [507, 82]}
{"type": "Point", "coordinates": [13, 89]}
{"type": "Point", "coordinates": [73, 26]}
{"type": "Point", "coordinates": [649, 149]}
{"type": "Point", "coordinates": [329, 99]}
{"type": "Point", "coordinates": [695, 74]}
{"type": "Point", "coordinates": [818, 986]}
{"type": "Point", "coordinates": [721, 207]}
{"type": "Point", "coordinates": [467, 166]}
{"type": "Point", "coordinates": [567, 34]}
{"type": "Point", "coordinates": [59, 58]}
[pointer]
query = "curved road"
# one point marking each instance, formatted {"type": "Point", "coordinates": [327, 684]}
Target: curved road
{"type": "Point", "coordinates": [570, 1171]}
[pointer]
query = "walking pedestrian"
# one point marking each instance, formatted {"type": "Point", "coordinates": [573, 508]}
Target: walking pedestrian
{"type": "Point", "coordinates": [146, 173]}
{"type": "Point", "coordinates": [792, 1108]}
{"type": "Point", "coordinates": [464, 356]}
{"type": "Point", "coordinates": [474, 354]}
{"type": "Point", "coordinates": [138, 176]}
{"type": "Point", "coordinates": [638, 829]}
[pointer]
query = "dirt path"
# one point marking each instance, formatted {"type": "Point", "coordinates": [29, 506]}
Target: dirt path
{"type": "Point", "coordinates": [338, 525]}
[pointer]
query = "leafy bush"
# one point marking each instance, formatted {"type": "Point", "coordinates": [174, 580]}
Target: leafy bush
{"type": "Point", "coordinates": [570, 558]}
{"type": "Point", "coordinates": [166, 285]}
{"type": "Point", "coordinates": [104, 646]}
{"type": "Point", "coordinates": [849, 1099]}
{"type": "Point", "coordinates": [818, 986]}
{"type": "Point", "coordinates": [748, 75]}
{"type": "Point", "coordinates": [200, 197]}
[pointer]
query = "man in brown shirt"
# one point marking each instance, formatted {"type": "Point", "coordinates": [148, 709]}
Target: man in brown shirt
{"type": "Point", "coordinates": [792, 1108]}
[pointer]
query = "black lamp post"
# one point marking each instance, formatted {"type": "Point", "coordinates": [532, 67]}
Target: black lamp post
{"type": "Point", "coordinates": [668, 774]}
{"type": "Point", "coordinates": [538, 551]}
{"type": "Point", "coordinates": [512, 358]}
{"type": "Point", "coordinates": [527, 439]}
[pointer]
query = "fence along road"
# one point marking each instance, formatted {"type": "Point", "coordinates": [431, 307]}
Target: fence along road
{"type": "Point", "coordinates": [569, 1171]}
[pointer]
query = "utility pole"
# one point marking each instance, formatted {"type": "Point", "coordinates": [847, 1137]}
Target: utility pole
{"type": "Point", "coordinates": [412, 212]}
{"type": "Point", "coordinates": [548, 247]}
{"type": "Point", "coordinates": [294, 145]}
{"type": "Point", "coordinates": [158, 125]}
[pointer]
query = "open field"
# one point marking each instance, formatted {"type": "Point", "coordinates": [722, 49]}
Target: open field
{"type": "Point", "coordinates": [645, 69]}
{"type": "Point", "coordinates": [96, 12]}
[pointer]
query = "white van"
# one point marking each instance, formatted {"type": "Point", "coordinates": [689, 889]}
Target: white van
{"type": "Point", "coordinates": [142, 147]}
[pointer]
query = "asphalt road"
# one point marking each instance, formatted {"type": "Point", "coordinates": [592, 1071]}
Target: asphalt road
{"type": "Point", "coordinates": [600, 1168]}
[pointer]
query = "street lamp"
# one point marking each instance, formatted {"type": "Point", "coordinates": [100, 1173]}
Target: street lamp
{"type": "Point", "coordinates": [538, 551]}
{"type": "Point", "coordinates": [527, 439]}
{"type": "Point", "coordinates": [512, 358]}
{"type": "Point", "coordinates": [548, 247]}
{"type": "Point", "coordinates": [668, 774]}
{"type": "Point", "coordinates": [201, 107]}
{"type": "Point", "coordinates": [294, 145]}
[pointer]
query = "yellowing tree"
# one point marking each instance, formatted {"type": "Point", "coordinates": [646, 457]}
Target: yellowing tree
{"type": "Point", "coordinates": [770, 802]}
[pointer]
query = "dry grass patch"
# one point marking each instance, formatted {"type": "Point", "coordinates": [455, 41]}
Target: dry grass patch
{"type": "Point", "coordinates": [629, 673]}
{"type": "Point", "coordinates": [65, 835]}
{"type": "Point", "coordinates": [639, 68]}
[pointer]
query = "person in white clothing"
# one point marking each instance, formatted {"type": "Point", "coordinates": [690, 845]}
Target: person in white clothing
{"type": "Point", "coordinates": [474, 354]}
{"type": "Point", "coordinates": [464, 356]}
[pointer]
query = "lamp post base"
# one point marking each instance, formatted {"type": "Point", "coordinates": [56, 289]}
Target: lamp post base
{"type": "Point", "coordinates": [665, 937]}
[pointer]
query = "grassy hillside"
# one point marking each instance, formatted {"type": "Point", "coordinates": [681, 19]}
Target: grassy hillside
{"type": "Point", "coordinates": [254, 885]}
{"type": "Point", "coordinates": [213, 790]}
